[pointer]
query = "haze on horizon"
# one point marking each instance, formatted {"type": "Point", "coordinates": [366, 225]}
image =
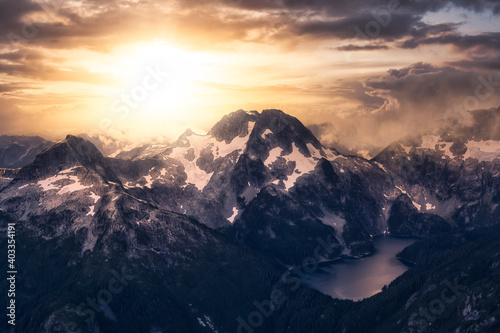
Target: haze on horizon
{"type": "Point", "coordinates": [360, 74]}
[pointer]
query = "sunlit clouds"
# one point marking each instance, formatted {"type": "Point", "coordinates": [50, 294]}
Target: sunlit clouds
{"type": "Point", "coordinates": [360, 73]}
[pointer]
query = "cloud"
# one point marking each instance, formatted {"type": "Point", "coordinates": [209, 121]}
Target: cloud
{"type": "Point", "coordinates": [12, 12]}
{"type": "Point", "coordinates": [28, 63]}
{"type": "Point", "coordinates": [10, 115]}
{"type": "Point", "coordinates": [480, 51]}
{"type": "Point", "coordinates": [101, 25]}
{"type": "Point", "coordinates": [14, 87]}
{"type": "Point", "coordinates": [426, 86]}
{"type": "Point", "coordinates": [406, 101]}
{"type": "Point", "coordinates": [478, 63]}
{"type": "Point", "coordinates": [368, 47]}
{"type": "Point", "coordinates": [486, 41]}
{"type": "Point", "coordinates": [361, 27]}
{"type": "Point", "coordinates": [345, 8]}
{"type": "Point", "coordinates": [384, 107]}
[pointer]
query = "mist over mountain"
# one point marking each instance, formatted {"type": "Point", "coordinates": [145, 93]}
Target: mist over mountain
{"type": "Point", "coordinates": [205, 226]}
{"type": "Point", "coordinates": [122, 147]}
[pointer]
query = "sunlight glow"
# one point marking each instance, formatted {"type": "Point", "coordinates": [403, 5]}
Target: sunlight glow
{"type": "Point", "coordinates": [159, 77]}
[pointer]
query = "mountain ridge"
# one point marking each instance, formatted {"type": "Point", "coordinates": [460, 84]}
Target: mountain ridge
{"type": "Point", "coordinates": [212, 219]}
{"type": "Point", "coordinates": [228, 177]}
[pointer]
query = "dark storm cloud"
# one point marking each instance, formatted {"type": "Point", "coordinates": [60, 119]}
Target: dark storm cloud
{"type": "Point", "coordinates": [426, 87]}
{"type": "Point", "coordinates": [490, 40]}
{"type": "Point", "coordinates": [22, 56]}
{"type": "Point", "coordinates": [345, 8]}
{"type": "Point", "coordinates": [369, 47]}
{"type": "Point", "coordinates": [13, 87]}
{"type": "Point", "coordinates": [407, 100]}
{"type": "Point", "coordinates": [478, 63]}
{"type": "Point", "coordinates": [413, 70]}
{"type": "Point", "coordinates": [420, 94]}
{"type": "Point", "coordinates": [422, 30]}
{"type": "Point", "coordinates": [370, 19]}
{"type": "Point", "coordinates": [480, 51]}
{"type": "Point", "coordinates": [102, 25]}
{"type": "Point", "coordinates": [12, 11]}
{"type": "Point", "coordinates": [317, 18]}
{"type": "Point", "coordinates": [361, 26]}
{"type": "Point", "coordinates": [357, 92]}
{"type": "Point", "coordinates": [479, 5]}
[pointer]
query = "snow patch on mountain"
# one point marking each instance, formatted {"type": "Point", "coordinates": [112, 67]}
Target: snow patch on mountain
{"type": "Point", "coordinates": [483, 150]}
{"type": "Point", "coordinates": [445, 148]}
{"type": "Point", "coordinates": [238, 143]}
{"type": "Point", "coordinates": [91, 211]}
{"type": "Point", "coordinates": [331, 155]}
{"type": "Point", "coordinates": [57, 182]}
{"type": "Point", "coordinates": [401, 190]}
{"type": "Point", "coordinates": [313, 151]}
{"type": "Point", "coordinates": [303, 165]}
{"type": "Point", "coordinates": [73, 187]}
{"type": "Point", "coordinates": [96, 198]}
{"type": "Point", "coordinates": [273, 155]}
{"type": "Point", "coordinates": [406, 148]}
{"type": "Point", "coordinates": [266, 132]}
{"type": "Point", "coordinates": [430, 141]}
{"type": "Point", "coordinates": [196, 176]}
{"type": "Point", "coordinates": [48, 184]}
{"type": "Point", "coordinates": [381, 166]}
{"type": "Point", "coordinates": [149, 181]}
{"type": "Point", "coordinates": [232, 217]}
{"type": "Point", "coordinates": [193, 145]}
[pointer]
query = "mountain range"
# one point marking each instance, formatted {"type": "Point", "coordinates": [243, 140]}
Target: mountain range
{"type": "Point", "coordinates": [204, 227]}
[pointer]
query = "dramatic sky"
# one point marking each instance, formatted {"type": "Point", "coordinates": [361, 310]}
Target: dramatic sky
{"type": "Point", "coordinates": [359, 73]}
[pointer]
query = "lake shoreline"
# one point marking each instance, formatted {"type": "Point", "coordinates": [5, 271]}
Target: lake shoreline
{"type": "Point", "coordinates": [354, 278]}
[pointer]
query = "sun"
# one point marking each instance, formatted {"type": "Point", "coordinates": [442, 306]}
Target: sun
{"type": "Point", "coordinates": [158, 78]}
{"type": "Point", "coordinates": [159, 88]}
